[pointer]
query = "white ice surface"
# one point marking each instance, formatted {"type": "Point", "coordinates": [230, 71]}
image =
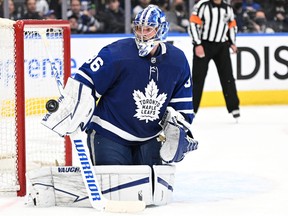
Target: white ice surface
{"type": "Point", "coordinates": [239, 169]}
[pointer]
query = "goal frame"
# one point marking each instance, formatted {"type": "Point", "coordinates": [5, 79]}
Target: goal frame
{"type": "Point", "coordinates": [20, 90]}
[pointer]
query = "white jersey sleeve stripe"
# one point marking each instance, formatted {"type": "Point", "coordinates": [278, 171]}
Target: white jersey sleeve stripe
{"type": "Point", "coordinates": [186, 111]}
{"type": "Point", "coordinates": [85, 76]}
{"type": "Point", "coordinates": [177, 100]}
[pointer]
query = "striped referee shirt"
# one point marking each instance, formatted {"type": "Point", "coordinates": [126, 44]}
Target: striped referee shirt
{"type": "Point", "coordinates": [212, 22]}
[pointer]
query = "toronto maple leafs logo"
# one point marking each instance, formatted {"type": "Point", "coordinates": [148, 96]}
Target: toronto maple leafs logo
{"type": "Point", "coordinates": [149, 104]}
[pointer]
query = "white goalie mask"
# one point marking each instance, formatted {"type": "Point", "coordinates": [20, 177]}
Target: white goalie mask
{"type": "Point", "coordinates": [150, 27]}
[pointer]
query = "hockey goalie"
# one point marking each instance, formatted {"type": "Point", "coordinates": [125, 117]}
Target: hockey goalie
{"type": "Point", "coordinates": [137, 131]}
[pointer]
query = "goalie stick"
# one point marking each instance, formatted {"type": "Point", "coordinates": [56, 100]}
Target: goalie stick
{"type": "Point", "coordinates": [97, 200]}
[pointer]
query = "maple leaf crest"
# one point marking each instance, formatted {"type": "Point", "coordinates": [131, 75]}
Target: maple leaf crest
{"type": "Point", "coordinates": [149, 104]}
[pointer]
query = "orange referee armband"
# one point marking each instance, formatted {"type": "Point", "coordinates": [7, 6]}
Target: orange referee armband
{"type": "Point", "coordinates": [232, 24]}
{"type": "Point", "coordinates": [195, 19]}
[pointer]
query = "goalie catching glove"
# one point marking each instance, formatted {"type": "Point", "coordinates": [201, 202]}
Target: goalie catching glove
{"type": "Point", "coordinates": [76, 106]}
{"type": "Point", "coordinates": [177, 139]}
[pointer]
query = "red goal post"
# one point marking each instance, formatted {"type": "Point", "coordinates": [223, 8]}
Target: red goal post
{"type": "Point", "coordinates": [26, 83]}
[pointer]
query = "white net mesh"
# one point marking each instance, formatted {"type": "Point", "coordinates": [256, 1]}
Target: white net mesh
{"type": "Point", "coordinates": [8, 165]}
{"type": "Point", "coordinates": [43, 147]}
{"type": "Point", "coordinates": [41, 86]}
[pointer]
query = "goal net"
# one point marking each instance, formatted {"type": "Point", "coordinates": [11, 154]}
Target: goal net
{"type": "Point", "coordinates": [26, 84]}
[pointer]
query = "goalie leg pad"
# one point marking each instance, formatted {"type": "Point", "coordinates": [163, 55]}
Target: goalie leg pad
{"type": "Point", "coordinates": [164, 176]}
{"type": "Point", "coordinates": [63, 186]}
{"type": "Point", "coordinates": [69, 187]}
{"type": "Point", "coordinates": [125, 183]}
{"type": "Point", "coordinates": [40, 188]}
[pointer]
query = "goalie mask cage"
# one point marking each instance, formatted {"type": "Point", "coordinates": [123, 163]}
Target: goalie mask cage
{"type": "Point", "coordinates": [26, 84]}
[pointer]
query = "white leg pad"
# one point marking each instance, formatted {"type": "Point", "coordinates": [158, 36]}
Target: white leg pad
{"type": "Point", "coordinates": [163, 183]}
{"type": "Point", "coordinates": [40, 188]}
{"type": "Point", "coordinates": [125, 183]}
{"type": "Point", "coordinates": [69, 187]}
{"type": "Point", "coordinates": [63, 186]}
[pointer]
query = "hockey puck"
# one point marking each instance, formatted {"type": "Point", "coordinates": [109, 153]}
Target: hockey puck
{"type": "Point", "coordinates": [52, 105]}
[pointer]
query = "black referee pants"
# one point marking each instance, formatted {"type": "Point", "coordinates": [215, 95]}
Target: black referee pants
{"type": "Point", "coordinates": [219, 53]}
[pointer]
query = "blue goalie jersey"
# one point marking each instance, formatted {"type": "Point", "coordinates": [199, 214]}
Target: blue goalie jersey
{"type": "Point", "coordinates": [134, 91]}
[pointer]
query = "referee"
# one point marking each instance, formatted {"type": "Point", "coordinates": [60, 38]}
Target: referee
{"type": "Point", "coordinates": [213, 31]}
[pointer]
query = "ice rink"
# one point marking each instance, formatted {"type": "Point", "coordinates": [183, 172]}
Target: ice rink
{"type": "Point", "coordinates": [239, 169]}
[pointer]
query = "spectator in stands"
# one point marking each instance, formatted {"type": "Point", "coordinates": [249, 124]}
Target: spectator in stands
{"type": "Point", "coordinates": [278, 7]}
{"type": "Point", "coordinates": [13, 14]}
{"type": "Point", "coordinates": [92, 10]}
{"type": "Point", "coordinates": [31, 12]}
{"type": "Point", "coordinates": [56, 5]}
{"type": "Point", "coordinates": [239, 15]}
{"type": "Point", "coordinates": [261, 24]}
{"type": "Point", "coordinates": [245, 14]}
{"type": "Point", "coordinates": [163, 5]}
{"type": "Point", "coordinates": [114, 17]}
{"type": "Point", "coordinates": [42, 7]}
{"type": "Point", "coordinates": [250, 5]}
{"type": "Point", "coordinates": [85, 4]}
{"type": "Point", "coordinates": [73, 21]}
{"type": "Point", "coordinates": [178, 17]}
{"type": "Point", "coordinates": [279, 16]}
{"type": "Point", "coordinates": [50, 15]}
{"type": "Point", "coordinates": [140, 6]}
{"type": "Point", "coordinates": [97, 13]}
{"type": "Point", "coordinates": [244, 18]}
{"type": "Point", "coordinates": [86, 23]}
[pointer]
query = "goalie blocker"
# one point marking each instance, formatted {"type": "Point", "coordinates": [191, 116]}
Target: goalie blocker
{"type": "Point", "coordinates": [63, 186]}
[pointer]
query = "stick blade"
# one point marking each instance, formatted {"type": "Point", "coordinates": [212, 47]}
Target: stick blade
{"type": "Point", "coordinates": [124, 206]}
